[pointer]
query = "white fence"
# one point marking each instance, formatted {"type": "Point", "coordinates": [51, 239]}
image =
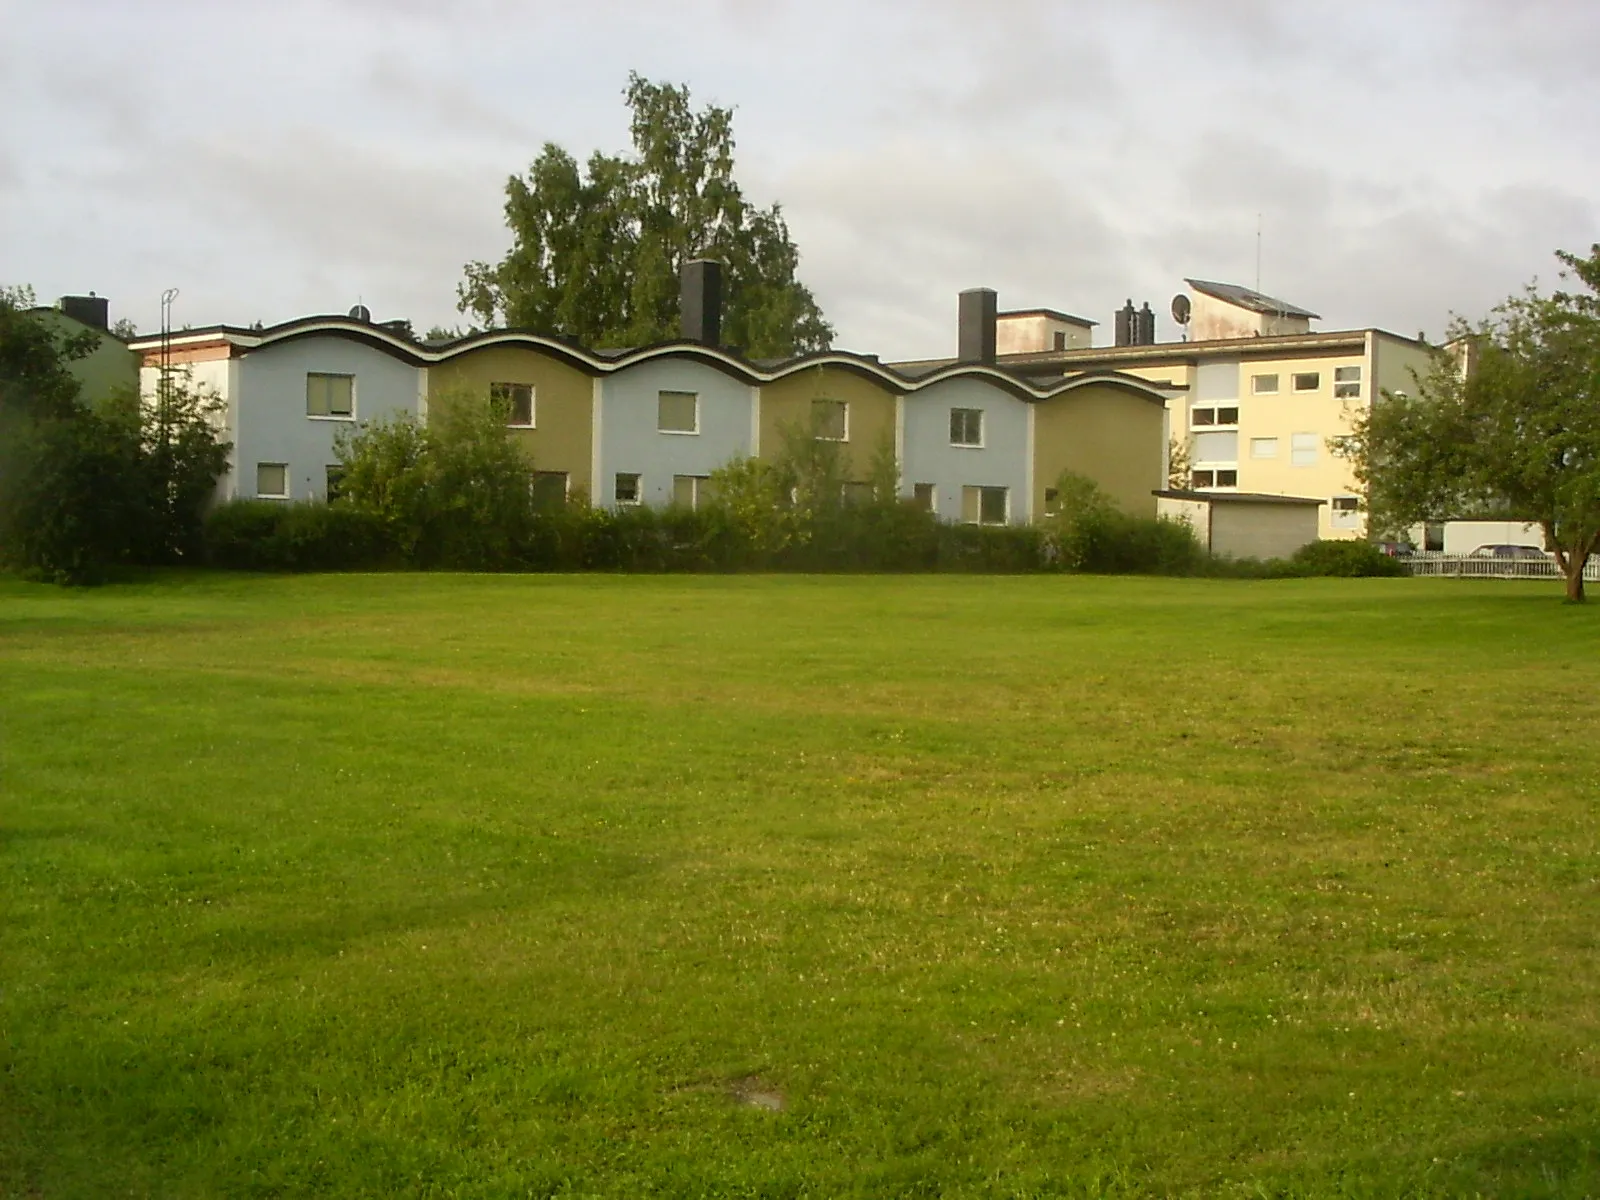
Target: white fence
{"type": "Point", "coordinates": [1469, 566]}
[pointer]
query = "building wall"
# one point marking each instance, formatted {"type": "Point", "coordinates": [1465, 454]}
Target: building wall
{"type": "Point", "coordinates": [1002, 461]}
{"type": "Point", "coordinates": [1196, 514]}
{"type": "Point", "coordinates": [216, 374]}
{"type": "Point", "coordinates": [630, 442]}
{"type": "Point", "coordinates": [562, 438]}
{"type": "Point", "coordinates": [1028, 333]}
{"type": "Point", "coordinates": [108, 368]}
{"type": "Point", "coordinates": [1261, 530]}
{"type": "Point", "coordinates": [271, 422]}
{"type": "Point", "coordinates": [1110, 434]}
{"type": "Point", "coordinates": [786, 406]}
{"type": "Point", "coordinates": [1213, 319]}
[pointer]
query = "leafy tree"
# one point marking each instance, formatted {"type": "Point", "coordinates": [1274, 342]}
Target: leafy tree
{"type": "Point", "coordinates": [1506, 420]}
{"type": "Point", "coordinates": [596, 251]}
{"type": "Point", "coordinates": [34, 377]}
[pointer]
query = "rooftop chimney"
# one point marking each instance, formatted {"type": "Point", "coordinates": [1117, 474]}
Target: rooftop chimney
{"type": "Point", "coordinates": [91, 309]}
{"type": "Point", "coordinates": [1127, 317]}
{"type": "Point", "coordinates": [700, 301]}
{"type": "Point", "coordinates": [977, 320]}
{"type": "Point", "coordinates": [1145, 326]}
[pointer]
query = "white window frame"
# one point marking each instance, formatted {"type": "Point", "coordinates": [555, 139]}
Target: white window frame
{"type": "Point", "coordinates": [638, 489]}
{"type": "Point", "coordinates": [843, 404]}
{"type": "Point", "coordinates": [982, 431]}
{"type": "Point", "coordinates": [283, 495]}
{"type": "Point", "coordinates": [695, 432]}
{"type": "Point", "coordinates": [1315, 449]}
{"type": "Point", "coordinates": [697, 498]}
{"type": "Point", "coordinates": [351, 416]}
{"type": "Point", "coordinates": [981, 488]}
{"type": "Point", "coordinates": [533, 403]}
{"type": "Point", "coordinates": [1344, 518]}
{"type": "Point", "coordinates": [1296, 376]}
{"type": "Point", "coordinates": [1348, 388]}
{"type": "Point", "coordinates": [1271, 442]}
{"type": "Point", "coordinates": [1214, 486]}
{"type": "Point", "coordinates": [1255, 383]}
{"type": "Point", "coordinates": [932, 495]}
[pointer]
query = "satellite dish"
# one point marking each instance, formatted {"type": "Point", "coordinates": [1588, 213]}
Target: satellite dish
{"type": "Point", "coordinates": [1180, 309]}
{"type": "Point", "coordinates": [361, 313]}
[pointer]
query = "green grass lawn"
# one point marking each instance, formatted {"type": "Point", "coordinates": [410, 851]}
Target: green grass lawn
{"type": "Point", "coordinates": [477, 887]}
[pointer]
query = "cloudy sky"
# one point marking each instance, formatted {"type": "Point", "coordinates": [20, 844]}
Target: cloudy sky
{"type": "Point", "coordinates": [1405, 159]}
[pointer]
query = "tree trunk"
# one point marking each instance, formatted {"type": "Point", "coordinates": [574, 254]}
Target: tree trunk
{"type": "Point", "coordinates": [1575, 578]}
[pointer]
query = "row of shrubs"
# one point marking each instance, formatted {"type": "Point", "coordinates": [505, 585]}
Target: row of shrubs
{"type": "Point", "coordinates": [265, 535]}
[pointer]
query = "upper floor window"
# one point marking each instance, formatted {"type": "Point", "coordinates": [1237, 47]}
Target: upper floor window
{"type": "Point", "coordinates": [1214, 416]}
{"type": "Point", "coordinates": [1264, 385]}
{"type": "Point", "coordinates": [1306, 381]}
{"type": "Point", "coordinates": [1303, 449]}
{"type": "Point", "coordinates": [1346, 383]}
{"type": "Point", "coordinates": [1225, 478]}
{"type": "Point", "coordinates": [515, 400]}
{"type": "Point", "coordinates": [830, 420]}
{"type": "Point", "coordinates": [330, 395]}
{"type": "Point", "coordinates": [966, 427]}
{"type": "Point", "coordinates": [678, 412]}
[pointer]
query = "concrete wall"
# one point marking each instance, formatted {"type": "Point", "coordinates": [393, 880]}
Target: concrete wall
{"type": "Point", "coordinates": [562, 438]}
{"type": "Point", "coordinates": [1112, 435]}
{"type": "Point", "coordinates": [1212, 319]}
{"type": "Point", "coordinates": [215, 375]}
{"type": "Point", "coordinates": [1029, 333]}
{"type": "Point", "coordinates": [1002, 461]}
{"type": "Point", "coordinates": [629, 441]}
{"type": "Point", "coordinates": [271, 425]}
{"type": "Point", "coordinates": [1196, 514]}
{"type": "Point", "coordinates": [786, 406]}
{"type": "Point", "coordinates": [1254, 530]}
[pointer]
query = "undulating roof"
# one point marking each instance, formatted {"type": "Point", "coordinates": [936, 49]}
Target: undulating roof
{"type": "Point", "coordinates": [1248, 298]}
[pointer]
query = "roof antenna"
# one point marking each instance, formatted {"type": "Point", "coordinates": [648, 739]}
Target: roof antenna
{"type": "Point", "coordinates": [1258, 253]}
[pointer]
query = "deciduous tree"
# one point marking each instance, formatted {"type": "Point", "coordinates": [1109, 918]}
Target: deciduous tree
{"type": "Point", "coordinates": [596, 250]}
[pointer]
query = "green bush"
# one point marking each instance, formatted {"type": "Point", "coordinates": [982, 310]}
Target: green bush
{"type": "Point", "coordinates": [1090, 533]}
{"type": "Point", "coordinates": [269, 535]}
{"type": "Point", "coordinates": [1346, 559]}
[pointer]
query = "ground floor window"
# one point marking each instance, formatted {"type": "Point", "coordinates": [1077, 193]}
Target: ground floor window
{"type": "Point", "coordinates": [627, 488]}
{"type": "Point", "coordinates": [335, 481]}
{"type": "Point", "coordinates": [1345, 512]}
{"type": "Point", "coordinates": [985, 505]}
{"type": "Point", "coordinates": [922, 495]}
{"type": "Point", "coordinates": [690, 491]}
{"type": "Point", "coordinates": [1052, 501]}
{"type": "Point", "coordinates": [272, 480]}
{"type": "Point", "coordinates": [549, 489]}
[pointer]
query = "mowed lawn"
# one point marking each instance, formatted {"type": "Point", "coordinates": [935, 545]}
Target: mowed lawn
{"type": "Point", "coordinates": [480, 886]}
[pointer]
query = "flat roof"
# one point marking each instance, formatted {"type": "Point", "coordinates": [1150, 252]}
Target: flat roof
{"type": "Point", "coordinates": [1233, 497]}
{"type": "Point", "coordinates": [1055, 314]}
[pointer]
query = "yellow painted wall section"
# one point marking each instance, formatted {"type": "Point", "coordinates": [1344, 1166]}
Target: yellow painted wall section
{"type": "Point", "coordinates": [563, 400]}
{"type": "Point", "coordinates": [1106, 433]}
{"type": "Point", "coordinates": [786, 404]}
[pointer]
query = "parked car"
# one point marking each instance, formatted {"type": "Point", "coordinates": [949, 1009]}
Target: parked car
{"type": "Point", "coordinates": [1531, 553]}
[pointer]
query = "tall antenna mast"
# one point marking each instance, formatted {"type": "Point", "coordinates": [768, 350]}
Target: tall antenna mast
{"type": "Point", "coordinates": [1258, 252]}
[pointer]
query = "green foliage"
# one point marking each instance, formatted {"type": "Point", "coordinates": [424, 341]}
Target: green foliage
{"type": "Point", "coordinates": [1506, 420]}
{"type": "Point", "coordinates": [1342, 559]}
{"type": "Point", "coordinates": [455, 492]}
{"type": "Point", "coordinates": [84, 489]}
{"type": "Point", "coordinates": [1090, 533]}
{"type": "Point", "coordinates": [596, 252]}
{"type": "Point", "coordinates": [270, 535]}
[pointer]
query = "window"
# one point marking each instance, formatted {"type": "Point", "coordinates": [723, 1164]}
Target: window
{"type": "Point", "coordinates": [678, 412]}
{"type": "Point", "coordinates": [1203, 416]}
{"type": "Point", "coordinates": [1303, 450]}
{"type": "Point", "coordinates": [1346, 383]}
{"type": "Point", "coordinates": [1061, 339]}
{"type": "Point", "coordinates": [830, 420]}
{"type": "Point", "coordinates": [1264, 385]}
{"type": "Point", "coordinates": [923, 495]}
{"type": "Point", "coordinates": [549, 489]}
{"type": "Point", "coordinates": [335, 481]}
{"type": "Point", "coordinates": [330, 395]}
{"type": "Point", "coordinates": [858, 493]}
{"type": "Point", "coordinates": [1052, 500]}
{"type": "Point", "coordinates": [1227, 478]}
{"type": "Point", "coordinates": [272, 480]}
{"type": "Point", "coordinates": [1346, 512]}
{"type": "Point", "coordinates": [689, 491]}
{"type": "Point", "coordinates": [516, 401]}
{"type": "Point", "coordinates": [1263, 447]}
{"type": "Point", "coordinates": [1208, 479]}
{"type": "Point", "coordinates": [1306, 381]}
{"type": "Point", "coordinates": [1216, 446]}
{"type": "Point", "coordinates": [1228, 416]}
{"type": "Point", "coordinates": [627, 489]}
{"type": "Point", "coordinates": [966, 427]}
{"type": "Point", "coordinates": [984, 505]}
